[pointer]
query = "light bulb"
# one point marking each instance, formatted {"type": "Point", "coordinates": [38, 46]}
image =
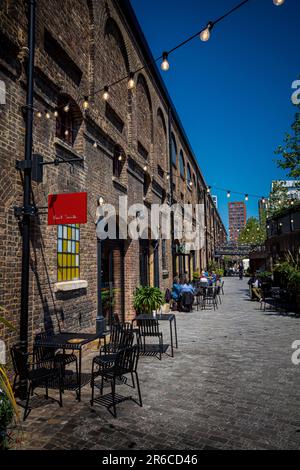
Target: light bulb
{"type": "Point", "coordinates": [228, 194]}
{"type": "Point", "coordinates": [165, 66]}
{"type": "Point", "coordinates": [47, 114]}
{"type": "Point", "coordinates": [55, 113]}
{"type": "Point", "coordinates": [168, 177]}
{"type": "Point", "coordinates": [120, 158]}
{"type": "Point", "coordinates": [263, 200]}
{"type": "Point", "coordinates": [95, 145]}
{"type": "Point", "coordinates": [39, 114]}
{"type": "Point", "coordinates": [66, 133]}
{"type": "Point", "coordinates": [246, 197]}
{"type": "Point", "coordinates": [145, 168]}
{"type": "Point", "coordinates": [205, 34]}
{"type": "Point", "coordinates": [131, 81]}
{"type": "Point", "coordinates": [191, 184]}
{"type": "Point", "coordinates": [278, 3]}
{"type": "Point", "coordinates": [208, 189]}
{"type": "Point", "coordinates": [106, 94]}
{"type": "Point", "coordinates": [86, 103]}
{"type": "Point", "coordinates": [67, 108]}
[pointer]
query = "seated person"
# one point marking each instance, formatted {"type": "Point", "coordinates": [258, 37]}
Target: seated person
{"type": "Point", "coordinates": [256, 290]}
{"type": "Point", "coordinates": [187, 296]}
{"type": "Point", "coordinates": [176, 290]}
{"type": "Point", "coordinates": [187, 287]}
{"type": "Point", "coordinates": [203, 280]}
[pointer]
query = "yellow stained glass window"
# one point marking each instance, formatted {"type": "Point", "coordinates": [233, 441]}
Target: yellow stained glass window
{"type": "Point", "coordinates": [68, 253]}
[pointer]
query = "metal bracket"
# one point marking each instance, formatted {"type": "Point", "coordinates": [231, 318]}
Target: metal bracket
{"type": "Point", "coordinates": [23, 165]}
{"type": "Point", "coordinates": [29, 210]}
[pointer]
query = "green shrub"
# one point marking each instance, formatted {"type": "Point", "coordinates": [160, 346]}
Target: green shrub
{"type": "Point", "coordinates": [148, 299]}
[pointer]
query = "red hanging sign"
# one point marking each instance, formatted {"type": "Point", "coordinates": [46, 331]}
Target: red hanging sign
{"type": "Point", "coordinates": [67, 209]}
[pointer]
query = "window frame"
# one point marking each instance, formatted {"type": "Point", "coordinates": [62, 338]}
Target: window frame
{"type": "Point", "coordinates": [68, 265]}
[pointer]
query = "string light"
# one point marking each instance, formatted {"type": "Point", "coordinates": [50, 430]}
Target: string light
{"type": "Point", "coordinates": [47, 114]}
{"type": "Point", "coordinates": [228, 194]}
{"type": "Point", "coordinates": [145, 168]}
{"type": "Point", "coordinates": [39, 114]}
{"type": "Point", "coordinates": [95, 145]}
{"type": "Point", "coordinates": [205, 34]}
{"type": "Point", "coordinates": [131, 81]}
{"type": "Point", "coordinates": [66, 133]}
{"type": "Point", "coordinates": [56, 113]}
{"type": "Point", "coordinates": [120, 158]}
{"type": "Point", "coordinates": [246, 197]}
{"type": "Point", "coordinates": [106, 93]}
{"type": "Point", "coordinates": [86, 103]}
{"type": "Point", "coordinates": [263, 200]}
{"type": "Point", "coordinates": [208, 189]}
{"type": "Point", "coordinates": [165, 66]}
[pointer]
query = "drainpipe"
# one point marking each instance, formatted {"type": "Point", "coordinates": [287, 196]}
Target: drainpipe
{"type": "Point", "coordinates": [27, 209]}
{"type": "Point", "coordinates": [171, 191]}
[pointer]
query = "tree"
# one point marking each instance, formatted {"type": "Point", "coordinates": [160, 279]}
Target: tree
{"type": "Point", "coordinates": [254, 232]}
{"type": "Point", "coordinates": [278, 199]}
{"type": "Point", "coordinates": [290, 151]}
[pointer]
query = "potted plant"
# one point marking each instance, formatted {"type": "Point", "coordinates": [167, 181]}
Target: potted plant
{"type": "Point", "coordinates": [148, 299]}
{"type": "Point", "coordinates": [8, 406]}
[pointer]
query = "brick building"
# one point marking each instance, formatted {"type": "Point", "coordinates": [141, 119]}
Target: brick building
{"type": "Point", "coordinates": [132, 144]}
{"type": "Point", "coordinates": [237, 219]}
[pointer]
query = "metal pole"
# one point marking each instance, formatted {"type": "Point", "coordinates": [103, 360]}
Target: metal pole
{"type": "Point", "coordinates": [27, 189]}
{"type": "Point", "coordinates": [100, 320]}
{"type": "Point", "coordinates": [171, 192]}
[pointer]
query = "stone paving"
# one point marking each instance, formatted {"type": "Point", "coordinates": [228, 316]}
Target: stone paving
{"type": "Point", "coordinates": [231, 385]}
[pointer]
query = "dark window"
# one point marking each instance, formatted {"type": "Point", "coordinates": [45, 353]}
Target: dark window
{"type": "Point", "coordinates": [67, 122]}
{"type": "Point", "coordinates": [113, 117]}
{"type": "Point", "coordinates": [142, 151]}
{"type": "Point", "coordinates": [160, 171]}
{"type": "Point", "coordinates": [164, 255]}
{"type": "Point", "coordinates": [174, 150]}
{"type": "Point", "coordinates": [62, 59]}
{"type": "Point", "coordinates": [144, 262]}
{"type": "Point", "coordinates": [181, 165]}
{"type": "Point", "coordinates": [189, 175]}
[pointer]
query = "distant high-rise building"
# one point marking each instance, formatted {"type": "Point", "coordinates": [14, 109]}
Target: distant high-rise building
{"type": "Point", "coordinates": [237, 219]}
{"type": "Point", "coordinates": [215, 199]}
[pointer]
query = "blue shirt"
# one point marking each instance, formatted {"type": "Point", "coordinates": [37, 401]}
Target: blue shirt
{"type": "Point", "coordinates": [187, 288]}
{"type": "Point", "coordinates": [176, 290]}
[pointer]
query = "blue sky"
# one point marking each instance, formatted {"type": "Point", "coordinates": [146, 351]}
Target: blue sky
{"type": "Point", "coordinates": [233, 93]}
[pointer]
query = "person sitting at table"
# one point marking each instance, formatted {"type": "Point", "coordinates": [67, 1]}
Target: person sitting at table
{"type": "Point", "coordinates": [187, 296]}
{"type": "Point", "coordinates": [175, 294]}
{"type": "Point", "coordinates": [203, 280]}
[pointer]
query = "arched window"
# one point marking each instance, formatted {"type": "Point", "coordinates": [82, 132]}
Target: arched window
{"type": "Point", "coordinates": [189, 175]}
{"type": "Point", "coordinates": [181, 164]}
{"type": "Point", "coordinates": [144, 117]}
{"type": "Point", "coordinates": [118, 163]}
{"type": "Point", "coordinates": [68, 120]}
{"type": "Point", "coordinates": [174, 150]}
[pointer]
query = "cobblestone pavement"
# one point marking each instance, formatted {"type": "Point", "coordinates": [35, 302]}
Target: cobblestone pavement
{"type": "Point", "coordinates": [231, 385]}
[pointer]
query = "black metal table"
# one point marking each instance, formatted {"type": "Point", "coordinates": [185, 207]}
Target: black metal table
{"type": "Point", "coordinates": [170, 317]}
{"type": "Point", "coordinates": [64, 341]}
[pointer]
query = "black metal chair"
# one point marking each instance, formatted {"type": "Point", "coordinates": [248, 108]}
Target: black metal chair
{"type": "Point", "coordinates": [187, 301]}
{"type": "Point", "coordinates": [210, 299]}
{"type": "Point", "coordinates": [62, 359]}
{"type": "Point", "coordinates": [218, 293]}
{"type": "Point", "coordinates": [122, 337]}
{"type": "Point", "coordinates": [44, 374]}
{"type": "Point", "coordinates": [150, 329]}
{"type": "Point", "coordinates": [126, 362]}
